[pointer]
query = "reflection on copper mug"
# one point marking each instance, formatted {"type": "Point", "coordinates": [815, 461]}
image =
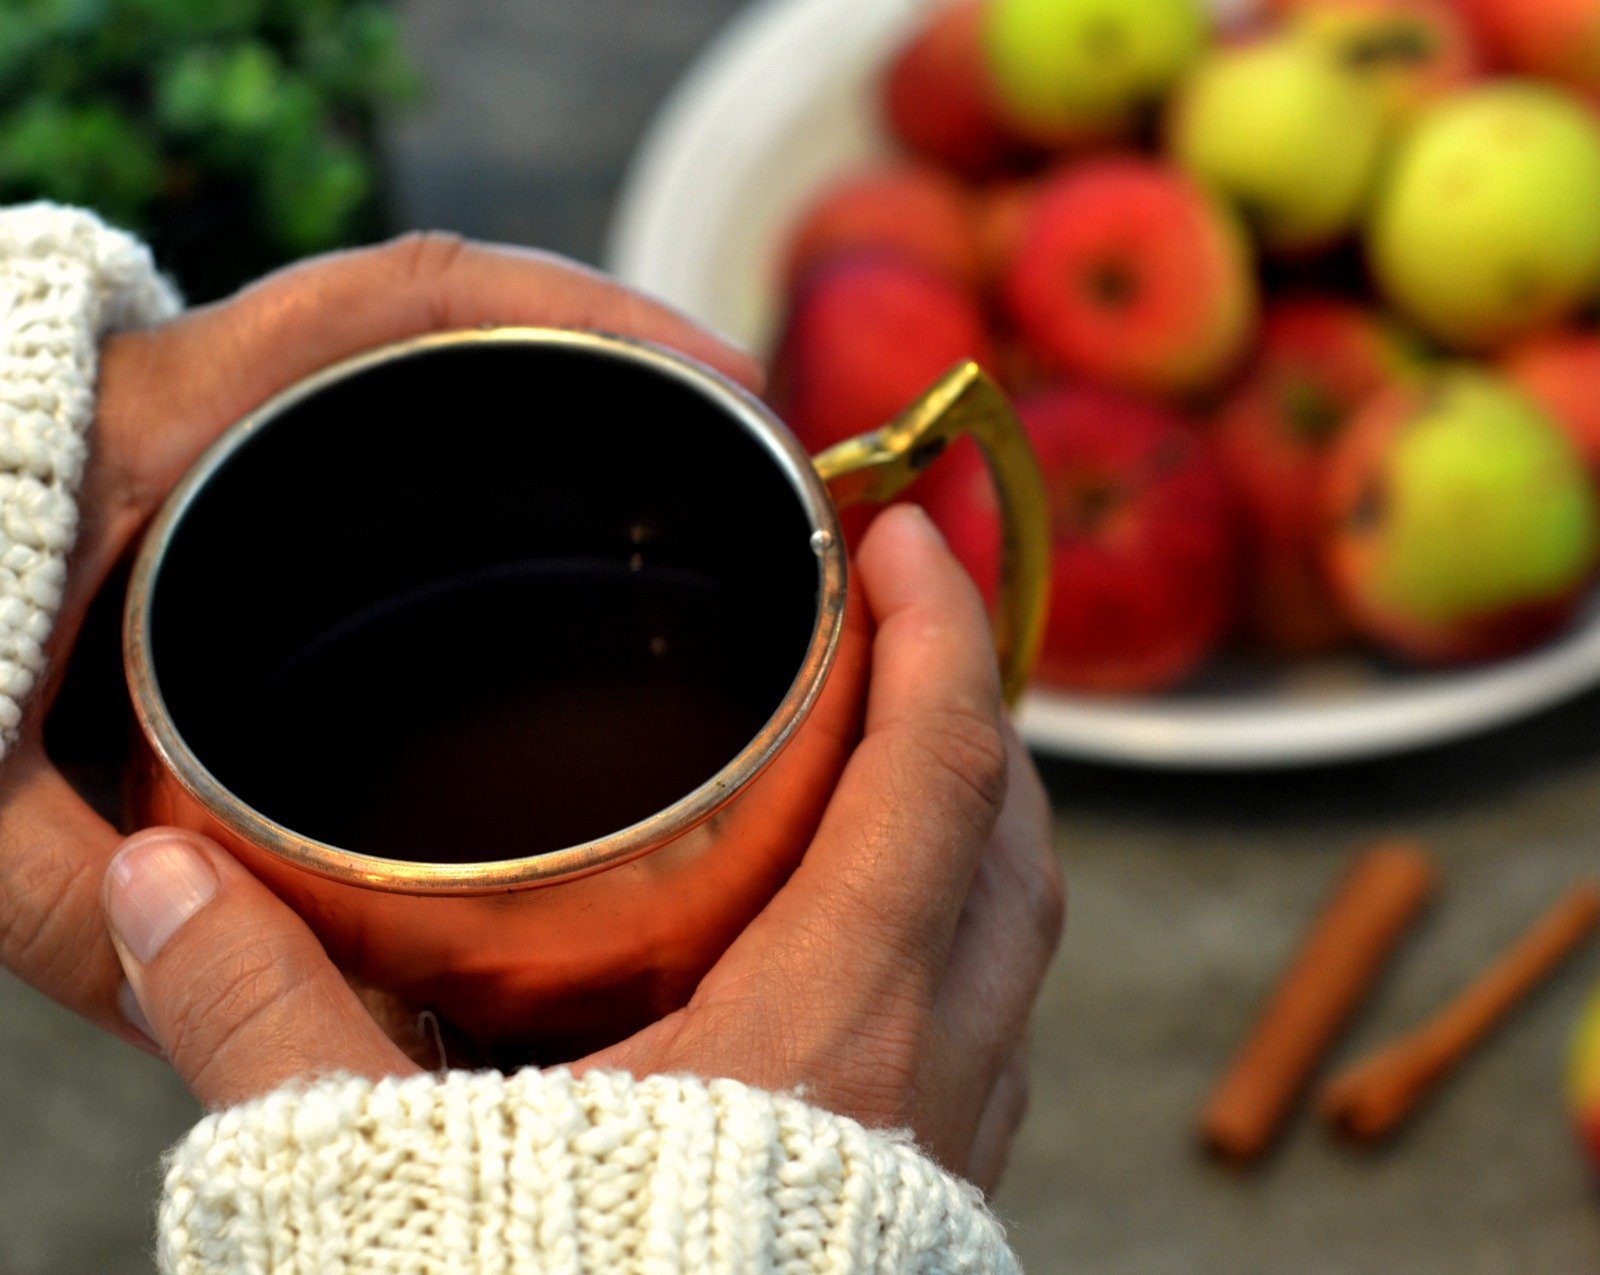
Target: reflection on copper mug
{"type": "Point", "coordinates": [481, 490]}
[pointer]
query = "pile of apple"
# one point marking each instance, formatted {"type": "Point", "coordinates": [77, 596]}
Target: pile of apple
{"type": "Point", "coordinates": [1298, 317]}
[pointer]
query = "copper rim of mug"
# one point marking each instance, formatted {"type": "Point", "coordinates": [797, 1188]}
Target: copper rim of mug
{"type": "Point", "coordinates": [659, 829]}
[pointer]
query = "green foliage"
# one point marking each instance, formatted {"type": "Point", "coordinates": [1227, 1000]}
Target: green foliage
{"type": "Point", "coordinates": [236, 134]}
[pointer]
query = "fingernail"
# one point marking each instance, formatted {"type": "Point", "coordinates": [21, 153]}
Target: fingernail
{"type": "Point", "coordinates": [917, 520]}
{"type": "Point", "coordinates": [133, 1012]}
{"type": "Point", "coordinates": [153, 887]}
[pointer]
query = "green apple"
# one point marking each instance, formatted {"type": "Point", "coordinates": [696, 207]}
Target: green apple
{"type": "Point", "coordinates": [1075, 70]}
{"type": "Point", "coordinates": [1488, 223]}
{"type": "Point", "coordinates": [1463, 523]}
{"type": "Point", "coordinates": [1414, 52]}
{"type": "Point", "coordinates": [1282, 129]}
{"type": "Point", "coordinates": [1491, 505]}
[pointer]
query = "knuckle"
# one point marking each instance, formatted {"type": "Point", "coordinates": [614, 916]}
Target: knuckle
{"type": "Point", "coordinates": [424, 255]}
{"type": "Point", "coordinates": [1028, 854]}
{"type": "Point", "coordinates": [1019, 1089]}
{"type": "Point", "coordinates": [239, 994]}
{"type": "Point", "coordinates": [1047, 894]}
{"type": "Point", "coordinates": [1032, 798]}
{"type": "Point", "coordinates": [424, 259]}
{"type": "Point", "coordinates": [968, 747]}
{"type": "Point", "coordinates": [36, 936]}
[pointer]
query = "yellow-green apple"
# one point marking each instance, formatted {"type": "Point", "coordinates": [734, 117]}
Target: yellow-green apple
{"type": "Point", "coordinates": [1412, 51]}
{"type": "Point", "coordinates": [1555, 39]}
{"type": "Point", "coordinates": [1144, 571]}
{"type": "Point", "coordinates": [1461, 522]}
{"type": "Point", "coordinates": [1287, 133]}
{"type": "Point", "coordinates": [1085, 70]}
{"type": "Point", "coordinates": [1132, 275]}
{"type": "Point", "coordinates": [1561, 372]}
{"type": "Point", "coordinates": [938, 98]}
{"type": "Point", "coordinates": [1487, 225]}
{"type": "Point", "coordinates": [1583, 1079]}
{"type": "Point", "coordinates": [1319, 361]}
{"type": "Point", "coordinates": [912, 210]}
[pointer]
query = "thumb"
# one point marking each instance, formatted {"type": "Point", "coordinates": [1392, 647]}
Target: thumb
{"type": "Point", "coordinates": [228, 981]}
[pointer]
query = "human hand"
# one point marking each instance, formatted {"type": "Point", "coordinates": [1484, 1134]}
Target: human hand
{"type": "Point", "coordinates": [164, 395]}
{"type": "Point", "coordinates": [892, 978]}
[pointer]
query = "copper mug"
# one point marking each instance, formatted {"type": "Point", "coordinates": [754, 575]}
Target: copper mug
{"type": "Point", "coordinates": [459, 453]}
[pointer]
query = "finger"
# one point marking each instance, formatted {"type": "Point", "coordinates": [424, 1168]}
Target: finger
{"type": "Point", "coordinates": [53, 851]}
{"type": "Point", "coordinates": [893, 859]}
{"type": "Point", "coordinates": [1009, 931]}
{"type": "Point", "coordinates": [341, 304]}
{"type": "Point", "coordinates": [997, 1129]}
{"type": "Point", "coordinates": [231, 983]}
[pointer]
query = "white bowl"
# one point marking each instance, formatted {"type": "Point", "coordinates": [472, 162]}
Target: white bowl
{"type": "Point", "coordinates": [784, 100]}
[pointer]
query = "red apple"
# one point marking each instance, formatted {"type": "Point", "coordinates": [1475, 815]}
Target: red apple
{"type": "Point", "coordinates": [867, 333]}
{"type": "Point", "coordinates": [1319, 362]}
{"type": "Point", "coordinates": [1144, 575]}
{"type": "Point", "coordinates": [1000, 217]}
{"type": "Point", "coordinates": [1556, 39]}
{"type": "Point", "coordinates": [1017, 367]}
{"type": "Point", "coordinates": [938, 99]}
{"type": "Point", "coordinates": [909, 209]}
{"type": "Point", "coordinates": [1130, 274]}
{"type": "Point", "coordinates": [1561, 372]}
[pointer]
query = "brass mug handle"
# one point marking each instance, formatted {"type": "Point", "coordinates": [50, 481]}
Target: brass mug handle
{"type": "Point", "coordinates": [878, 466]}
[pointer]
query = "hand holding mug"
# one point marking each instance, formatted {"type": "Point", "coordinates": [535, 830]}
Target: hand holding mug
{"type": "Point", "coordinates": [522, 662]}
{"type": "Point", "coordinates": [164, 396]}
{"type": "Point", "coordinates": [892, 976]}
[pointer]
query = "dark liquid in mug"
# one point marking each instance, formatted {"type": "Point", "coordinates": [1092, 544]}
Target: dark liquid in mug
{"type": "Point", "coordinates": [484, 602]}
{"type": "Point", "coordinates": [521, 710]}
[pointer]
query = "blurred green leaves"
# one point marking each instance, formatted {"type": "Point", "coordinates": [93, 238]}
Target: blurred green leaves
{"type": "Point", "coordinates": [235, 133]}
{"type": "Point", "coordinates": [90, 154]}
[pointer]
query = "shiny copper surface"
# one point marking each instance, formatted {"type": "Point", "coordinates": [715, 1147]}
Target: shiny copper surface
{"type": "Point", "coordinates": [580, 944]}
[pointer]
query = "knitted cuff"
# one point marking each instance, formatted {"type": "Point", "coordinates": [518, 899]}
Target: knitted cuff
{"type": "Point", "coordinates": [66, 280]}
{"type": "Point", "coordinates": [545, 1172]}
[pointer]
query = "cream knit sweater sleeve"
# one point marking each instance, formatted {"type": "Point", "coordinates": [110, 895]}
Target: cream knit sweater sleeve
{"type": "Point", "coordinates": [544, 1172]}
{"type": "Point", "coordinates": [66, 280]}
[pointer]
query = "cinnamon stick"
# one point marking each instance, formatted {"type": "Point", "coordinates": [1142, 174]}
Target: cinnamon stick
{"type": "Point", "coordinates": [1339, 960]}
{"type": "Point", "coordinates": [1373, 1096]}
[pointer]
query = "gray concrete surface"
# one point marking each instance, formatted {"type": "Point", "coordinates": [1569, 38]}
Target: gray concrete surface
{"type": "Point", "coordinates": [1186, 892]}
